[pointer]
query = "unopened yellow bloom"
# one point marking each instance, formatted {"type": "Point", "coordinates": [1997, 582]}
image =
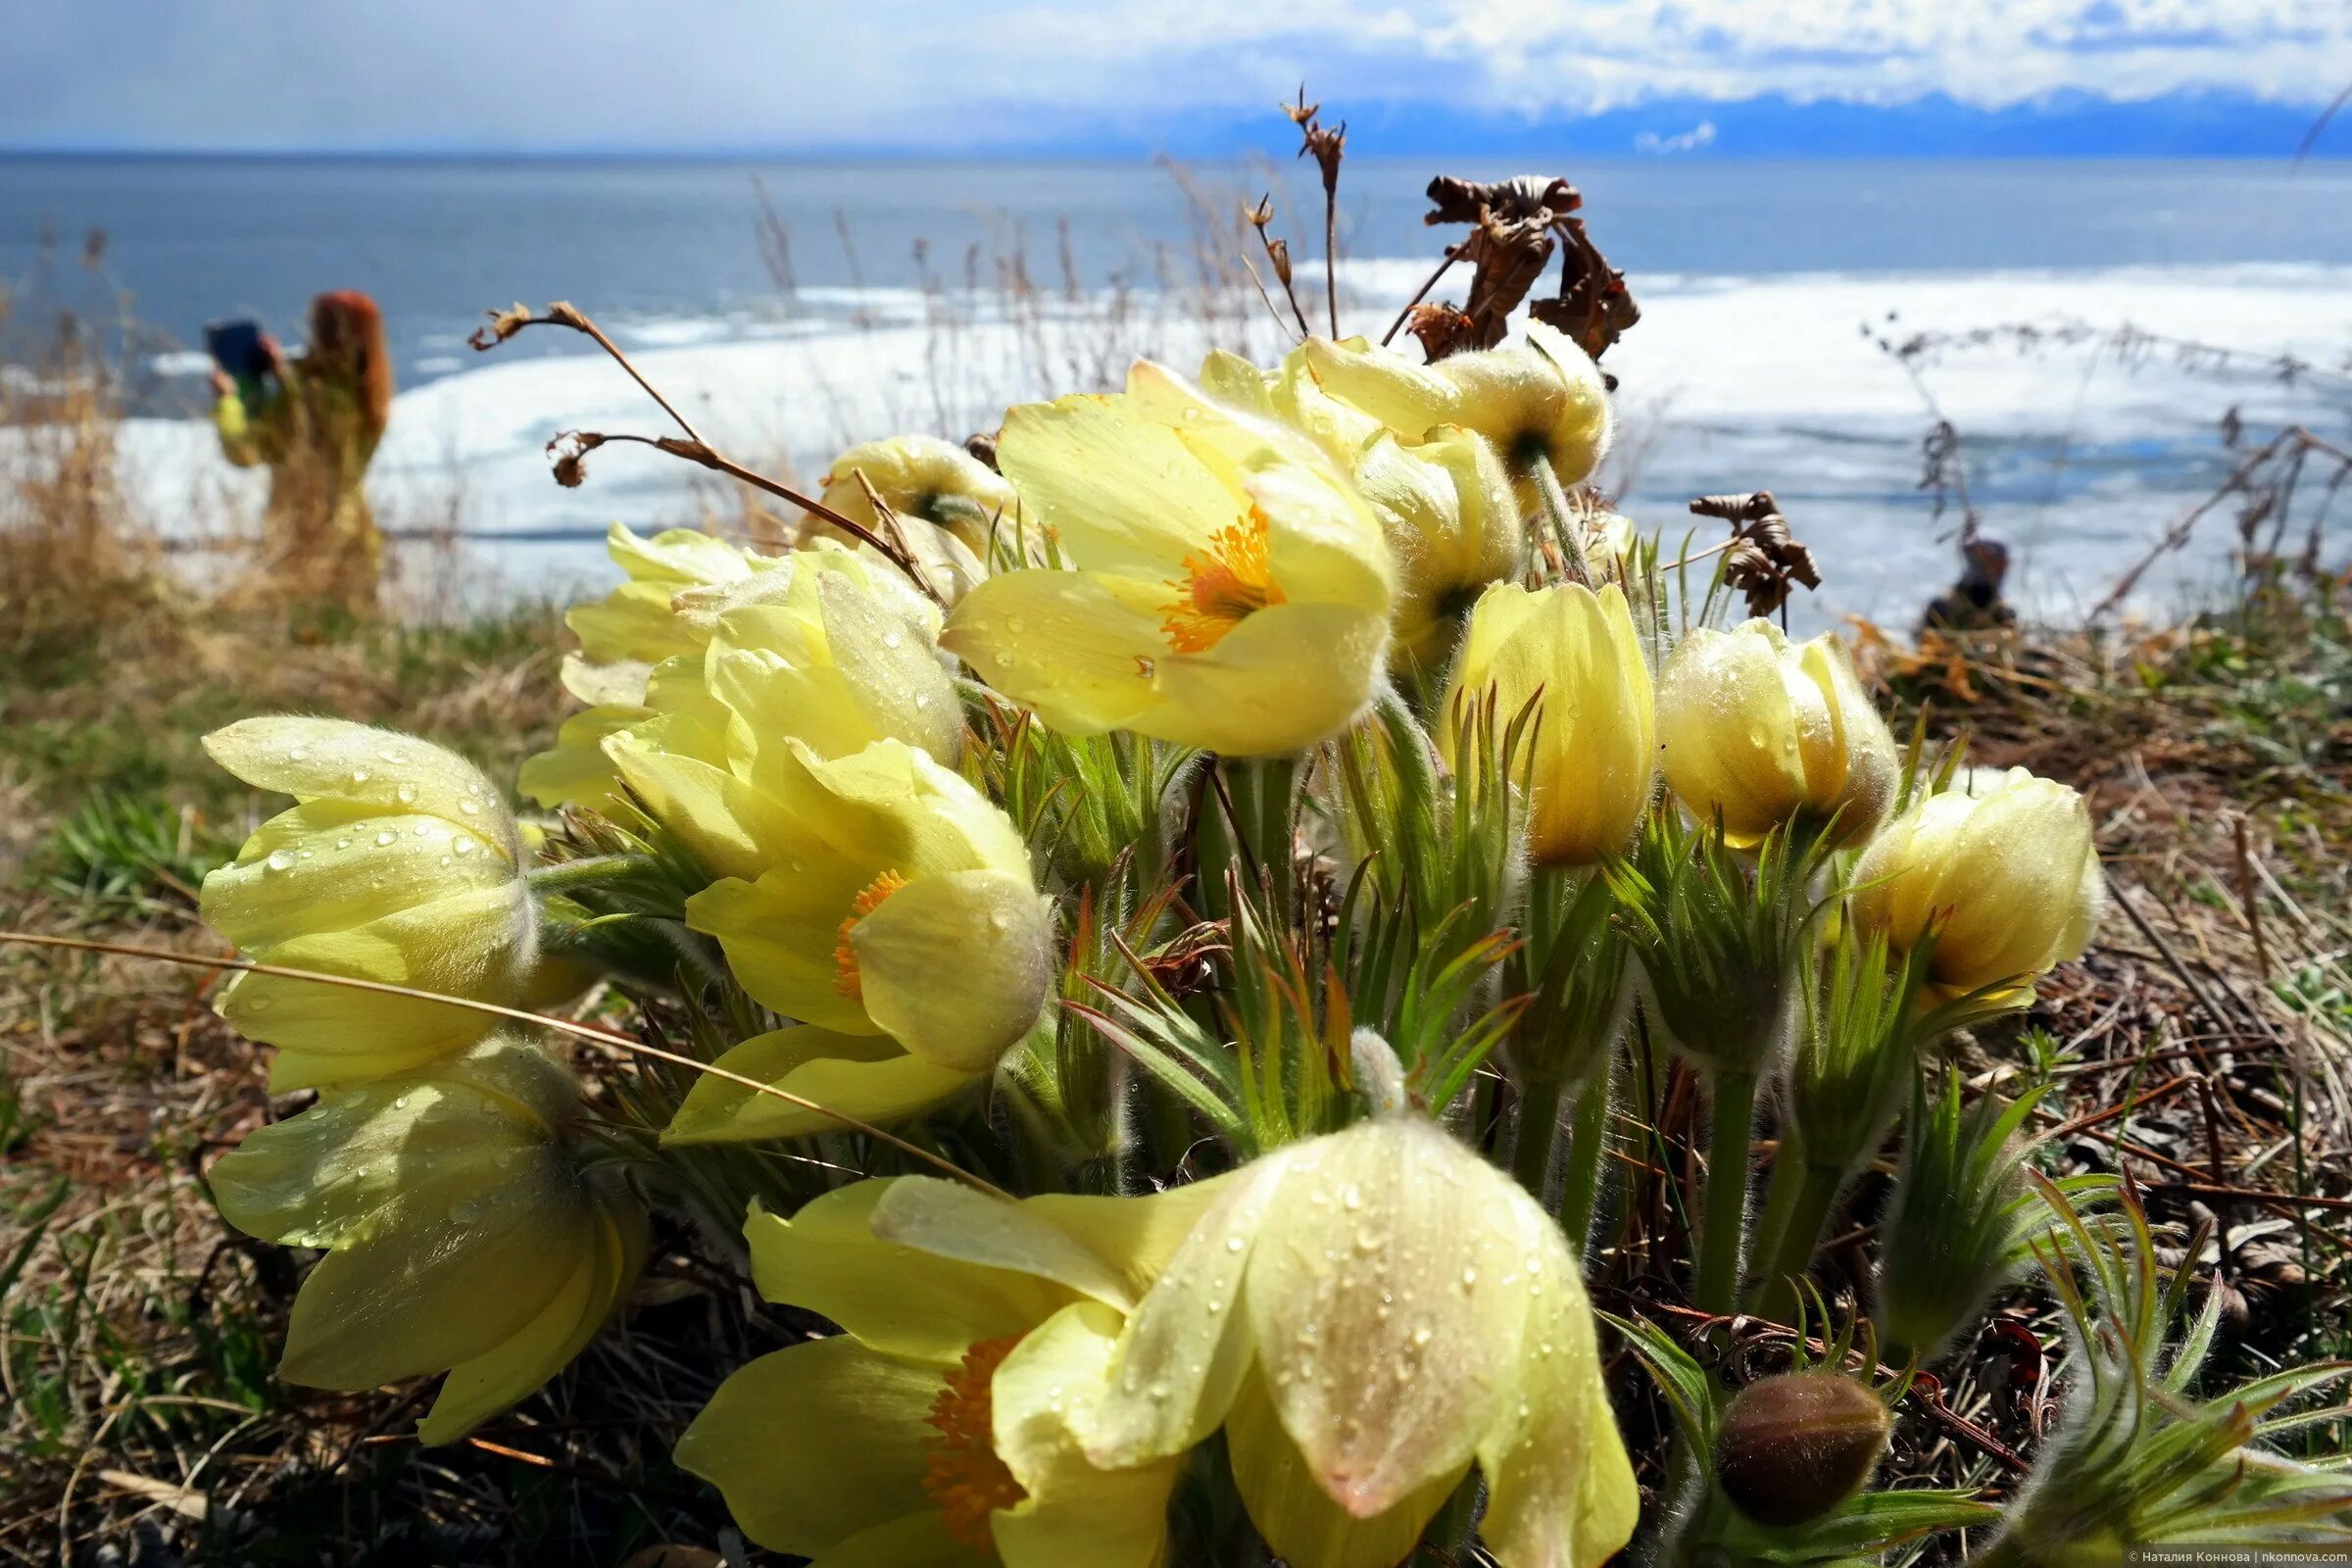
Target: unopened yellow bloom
{"type": "Point", "coordinates": [877, 897]}
{"type": "Point", "coordinates": [845, 644]}
{"type": "Point", "coordinates": [1766, 732]}
{"type": "Point", "coordinates": [1447, 509]}
{"type": "Point", "coordinates": [938, 1428]}
{"type": "Point", "coordinates": [948, 504]}
{"type": "Point", "coordinates": [1231, 590]}
{"type": "Point", "coordinates": [1541, 399]}
{"type": "Point", "coordinates": [398, 863]}
{"type": "Point", "coordinates": [2009, 871]}
{"type": "Point", "coordinates": [1576, 654]}
{"type": "Point", "coordinates": [1367, 1314]}
{"type": "Point", "coordinates": [460, 1235]}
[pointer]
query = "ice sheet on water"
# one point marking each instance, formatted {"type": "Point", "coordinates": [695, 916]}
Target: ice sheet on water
{"type": "Point", "coordinates": [2077, 459]}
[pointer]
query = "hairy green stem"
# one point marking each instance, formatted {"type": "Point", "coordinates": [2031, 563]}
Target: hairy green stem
{"type": "Point", "coordinates": [1588, 1152]}
{"type": "Point", "coordinates": [1564, 528]}
{"type": "Point", "coordinates": [1817, 1189]}
{"type": "Point", "coordinates": [1539, 1130]}
{"type": "Point", "coordinates": [590, 871]}
{"type": "Point", "coordinates": [1717, 1286]}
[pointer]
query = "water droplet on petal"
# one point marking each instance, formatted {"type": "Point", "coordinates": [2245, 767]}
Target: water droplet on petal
{"type": "Point", "coordinates": [279, 861]}
{"type": "Point", "coordinates": [384, 838]}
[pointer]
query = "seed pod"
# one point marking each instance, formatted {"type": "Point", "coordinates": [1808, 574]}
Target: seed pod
{"type": "Point", "coordinates": [1793, 1447]}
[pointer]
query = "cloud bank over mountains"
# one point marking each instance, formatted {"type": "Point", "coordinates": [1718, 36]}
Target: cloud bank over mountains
{"type": "Point", "coordinates": [916, 75]}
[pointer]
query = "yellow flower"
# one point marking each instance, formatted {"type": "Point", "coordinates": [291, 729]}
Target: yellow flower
{"type": "Point", "coordinates": [844, 644]}
{"type": "Point", "coordinates": [1543, 399]}
{"type": "Point", "coordinates": [399, 863]}
{"type": "Point", "coordinates": [938, 1428]}
{"type": "Point", "coordinates": [1443, 497]}
{"type": "Point", "coordinates": [1367, 1314]}
{"type": "Point", "coordinates": [632, 626]}
{"type": "Point", "coordinates": [947, 502]}
{"type": "Point", "coordinates": [1576, 654]}
{"type": "Point", "coordinates": [460, 1236]}
{"type": "Point", "coordinates": [878, 899]}
{"type": "Point", "coordinates": [1767, 732]}
{"type": "Point", "coordinates": [1231, 591]}
{"type": "Point", "coordinates": [2009, 871]}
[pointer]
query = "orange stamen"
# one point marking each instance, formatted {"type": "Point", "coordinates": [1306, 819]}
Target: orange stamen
{"type": "Point", "coordinates": [846, 978]}
{"type": "Point", "coordinates": [1222, 587]}
{"type": "Point", "coordinates": [962, 1475]}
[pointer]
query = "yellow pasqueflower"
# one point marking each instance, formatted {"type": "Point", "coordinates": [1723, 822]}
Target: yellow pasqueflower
{"type": "Point", "coordinates": [948, 502]}
{"type": "Point", "coordinates": [2007, 877]}
{"type": "Point", "coordinates": [398, 863]}
{"type": "Point", "coordinates": [1576, 654]}
{"type": "Point", "coordinates": [1229, 590]}
{"type": "Point", "coordinates": [1539, 399]}
{"type": "Point", "coordinates": [1767, 732]}
{"type": "Point", "coordinates": [877, 897]}
{"type": "Point", "coordinates": [849, 645]}
{"type": "Point", "coordinates": [633, 628]}
{"type": "Point", "coordinates": [1447, 506]}
{"type": "Point", "coordinates": [1442, 496]}
{"type": "Point", "coordinates": [460, 1235]}
{"type": "Point", "coordinates": [1367, 1314]}
{"type": "Point", "coordinates": [939, 1428]}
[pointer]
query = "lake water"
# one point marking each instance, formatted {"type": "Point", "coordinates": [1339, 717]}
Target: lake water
{"type": "Point", "coordinates": [928, 296]}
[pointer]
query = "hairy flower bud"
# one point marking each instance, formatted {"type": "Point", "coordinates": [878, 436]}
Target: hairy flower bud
{"type": "Point", "coordinates": [1768, 732]}
{"type": "Point", "coordinates": [1542, 400]}
{"type": "Point", "coordinates": [1575, 653]}
{"type": "Point", "coordinates": [1791, 1448]}
{"type": "Point", "coordinates": [398, 864]}
{"type": "Point", "coordinates": [2006, 876]}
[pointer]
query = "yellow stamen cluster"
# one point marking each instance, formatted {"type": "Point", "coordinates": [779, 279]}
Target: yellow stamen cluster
{"type": "Point", "coordinates": [846, 978]}
{"type": "Point", "coordinates": [1225, 585]}
{"type": "Point", "coordinates": [961, 1473]}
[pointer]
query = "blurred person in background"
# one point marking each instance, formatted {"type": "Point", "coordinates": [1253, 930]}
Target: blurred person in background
{"type": "Point", "coordinates": [316, 421]}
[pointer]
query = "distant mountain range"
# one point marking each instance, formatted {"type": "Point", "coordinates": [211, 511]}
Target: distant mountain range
{"type": "Point", "coordinates": [2066, 125]}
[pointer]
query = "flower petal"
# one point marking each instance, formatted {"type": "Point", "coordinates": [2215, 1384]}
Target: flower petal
{"type": "Point", "coordinates": [1186, 1348]}
{"type": "Point", "coordinates": [332, 758]}
{"type": "Point", "coordinates": [1380, 1290]}
{"type": "Point", "coordinates": [1305, 1528]}
{"type": "Point", "coordinates": [891, 1296]}
{"type": "Point", "coordinates": [521, 1364]}
{"type": "Point", "coordinates": [1123, 492]}
{"type": "Point", "coordinates": [951, 1220]}
{"type": "Point", "coordinates": [1282, 680]}
{"type": "Point", "coordinates": [814, 1445]}
{"type": "Point", "coordinates": [866, 1076]}
{"type": "Point", "coordinates": [779, 934]}
{"type": "Point", "coordinates": [732, 828]}
{"type": "Point", "coordinates": [1075, 1515]}
{"type": "Point", "coordinates": [996, 930]}
{"type": "Point", "coordinates": [1560, 1489]}
{"type": "Point", "coordinates": [1079, 647]}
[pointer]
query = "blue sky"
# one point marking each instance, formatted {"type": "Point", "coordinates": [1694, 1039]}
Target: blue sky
{"type": "Point", "coordinates": [1698, 77]}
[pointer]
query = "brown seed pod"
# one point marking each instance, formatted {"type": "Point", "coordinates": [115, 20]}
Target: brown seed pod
{"type": "Point", "coordinates": [1793, 1447]}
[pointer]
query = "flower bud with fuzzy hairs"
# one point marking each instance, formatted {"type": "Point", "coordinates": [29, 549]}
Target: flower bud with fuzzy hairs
{"type": "Point", "coordinates": [1766, 732]}
{"type": "Point", "coordinates": [1576, 655]}
{"type": "Point", "coordinates": [2003, 870]}
{"type": "Point", "coordinates": [398, 863]}
{"type": "Point", "coordinates": [1542, 400]}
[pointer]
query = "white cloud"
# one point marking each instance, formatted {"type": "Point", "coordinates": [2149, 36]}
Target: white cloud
{"type": "Point", "coordinates": [699, 72]}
